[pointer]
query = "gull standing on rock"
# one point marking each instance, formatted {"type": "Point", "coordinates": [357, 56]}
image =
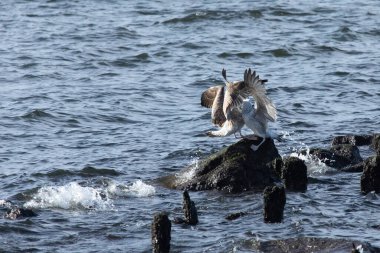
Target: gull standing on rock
{"type": "Point", "coordinates": [225, 106]}
{"type": "Point", "coordinates": [257, 118]}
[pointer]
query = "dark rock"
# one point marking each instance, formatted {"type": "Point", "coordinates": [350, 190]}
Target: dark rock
{"type": "Point", "coordinates": [277, 165]}
{"type": "Point", "coordinates": [161, 229]}
{"type": "Point", "coordinates": [274, 203]}
{"type": "Point", "coordinates": [370, 179]}
{"type": "Point", "coordinates": [191, 215]}
{"type": "Point", "coordinates": [338, 156]}
{"type": "Point", "coordinates": [294, 174]}
{"type": "Point", "coordinates": [311, 244]}
{"type": "Point", "coordinates": [235, 168]}
{"type": "Point", "coordinates": [355, 140]}
{"type": "Point", "coordinates": [359, 167]}
{"type": "Point", "coordinates": [234, 216]}
{"type": "Point", "coordinates": [18, 213]}
{"type": "Point", "coordinates": [376, 143]}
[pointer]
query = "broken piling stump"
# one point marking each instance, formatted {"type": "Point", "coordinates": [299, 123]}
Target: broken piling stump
{"type": "Point", "coordinates": [161, 229]}
{"type": "Point", "coordinates": [274, 203]}
{"type": "Point", "coordinates": [191, 215]}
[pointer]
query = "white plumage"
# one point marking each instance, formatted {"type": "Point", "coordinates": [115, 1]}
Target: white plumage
{"type": "Point", "coordinates": [231, 110]}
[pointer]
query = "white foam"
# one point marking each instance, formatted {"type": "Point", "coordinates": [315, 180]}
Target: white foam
{"type": "Point", "coordinates": [314, 165]}
{"type": "Point", "coordinates": [69, 196]}
{"type": "Point", "coordinates": [137, 189]}
{"type": "Point", "coordinates": [189, 173]}
{"type": "Point", "coordinates": [4, 203]}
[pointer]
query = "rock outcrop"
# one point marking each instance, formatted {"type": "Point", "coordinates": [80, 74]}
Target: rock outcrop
{"type": "Point", "coordinates": [294, 174]}
{"type": "Point", "coordinates": [338, 156]}
{"type": "Point", "coordinates": [235, 168]}
{"type": "Point", "coordinates": [370, 179]}
{"type": "Point", "coordinates": [19, 213]}
{"type": "Point", "coordinates": [355, 140]}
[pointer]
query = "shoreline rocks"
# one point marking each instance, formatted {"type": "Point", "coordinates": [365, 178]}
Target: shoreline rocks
{"type": "Point", "coordinates": [294, 174]}
{"type": "Point", "coordinates": [338, 156]}
{"type": "Point", "coordinates": [233, 169]}
{"type": "Point", "coordinates": [370, 179]}
{"type": "Point", "coordinates": [355, 140]}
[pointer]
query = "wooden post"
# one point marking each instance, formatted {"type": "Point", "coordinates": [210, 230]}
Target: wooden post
{"type": "Point", "coordinates": [161, 229]}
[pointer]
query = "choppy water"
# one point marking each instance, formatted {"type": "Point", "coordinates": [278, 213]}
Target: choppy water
{"type": "Point", "coordinates": [99, 98]}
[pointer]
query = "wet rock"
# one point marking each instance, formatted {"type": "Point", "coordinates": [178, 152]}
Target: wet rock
{"type": "Point", "coordinates": [277, 165]}
{"type": "Point", "coordinates": [376, 143]}
{"type": "Point", "coordinates": [235, 168]}
{"type": "Point", "coordinates": [359, 167]}
{"type": "Point", "coordinates": [370, 179]}
{"type": "Point", "coordinates": [355, 140]}
{"type": "Point", "coordinates": [274, 204]}
{"type": "Point", "coordinates": [191, 215]}
{"type": "Point", "coordinates": [234, 216]}
{"type": "Point", "coordinates": [338, 156]}
{"type": "Point", "coordinates": [311, 244]}
{"type": "Point", "coordinates": [161, 230]}
{"type": "Point", "coordinates": [294, 174]}
{"type": "Point", "coordinates": [19, 213]}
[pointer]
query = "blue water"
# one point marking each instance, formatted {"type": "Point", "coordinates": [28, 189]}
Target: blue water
{"type": "Point", "coordinates": [116, 85]}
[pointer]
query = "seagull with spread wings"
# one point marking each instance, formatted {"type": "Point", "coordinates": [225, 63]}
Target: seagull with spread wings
{"type": "Point", "coordinates": [230, 108]}
{"type": "Point", "coordinates": [224, 102]}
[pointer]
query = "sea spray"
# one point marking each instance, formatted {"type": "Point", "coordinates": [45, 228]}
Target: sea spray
{"type": "Point", "coordinates": [136, 189]}
{"type": "Point", "coordinates": [70, 196]}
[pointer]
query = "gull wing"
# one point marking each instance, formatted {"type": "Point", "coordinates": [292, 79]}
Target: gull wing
{"type": "Point", "coordinates": [264, 105]}
{"type": "Point", "coordinates": [213, 98]}
{"type": "Point", "coordinates": [236, 92]}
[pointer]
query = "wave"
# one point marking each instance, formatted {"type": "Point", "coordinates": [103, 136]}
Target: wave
{"type": "Point", "coordinates": [37, 113]}
{"type": "Point", "coordinates": [75, 196]}
{"type": "Point", "coordinates": [87, 171]}
{"type": "Point", "coordinates": [242, 55]}
{"type": "Point", "coordinates": [70, 196]}
{"type": "Point", "coordinates": [137, 189]}
{"type": "Point", "coordinates": [214, 15]}
{"type": "Point", "coordinates": [279, 52]}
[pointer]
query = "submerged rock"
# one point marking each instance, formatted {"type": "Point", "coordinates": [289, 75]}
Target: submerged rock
{"type": "Point", "coordinates": [338, 156]}
{"type": "Point", "coordinates": [235, 168]}
{"type": "Point", "coordinates": [370, 179]}
{"type": "Point", "coordinates": [311, 244]}
{"type": "Point", "coordinates": [234, 216]}
{"type": "Point", "coordinates": [274, 204]}
{"type": "Point", "coordinates": [355, 140]}
{"type": "Point", "coordinates": [294, 174]}
{"type": "Point", "coordinates": [19, 213]}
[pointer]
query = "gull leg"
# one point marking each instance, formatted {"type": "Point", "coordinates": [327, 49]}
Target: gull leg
{"type": "Point", "coordinates": [255, 148]}
{"type": "Point", "coordinates": [251, 137]}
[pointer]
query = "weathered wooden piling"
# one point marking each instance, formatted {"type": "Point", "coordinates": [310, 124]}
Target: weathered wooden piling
{"type": "Point", "coordinates": [191, 215]}
{"type": "Point", "coordinates": [274, 203]}
{"type": "Point", "coordinates": [294, 174]}
{"type": "Point", "coordinates": [161, 230]}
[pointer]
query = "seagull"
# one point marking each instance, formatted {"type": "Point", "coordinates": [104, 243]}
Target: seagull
{"type": "Point", "coordinates": [256, 117]}
{"type": "Point", "coordinates": [224, 102]}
